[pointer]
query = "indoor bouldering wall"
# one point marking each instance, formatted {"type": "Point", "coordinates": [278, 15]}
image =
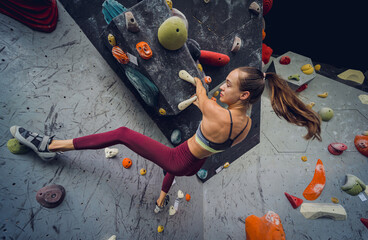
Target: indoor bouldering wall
{"type": "Point", "coordinates": [214, 26]}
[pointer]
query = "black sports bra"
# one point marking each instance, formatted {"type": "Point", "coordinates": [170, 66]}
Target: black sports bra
{"type": "Point", "coordinates": [220, 146]}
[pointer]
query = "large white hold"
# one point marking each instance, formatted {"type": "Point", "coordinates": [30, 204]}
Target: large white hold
{"type": "Point", "coordinates": [186, 103]}
{"type": "Point", "coordinates": [328, 210]}
{"type": "Point", "coordinates": [111, 152]}
{"type": "Point", "coordinates": [186, 77]}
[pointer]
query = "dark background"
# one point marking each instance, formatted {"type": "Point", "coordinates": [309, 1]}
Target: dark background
{"type": "Point", "coordinates": [332, 32]}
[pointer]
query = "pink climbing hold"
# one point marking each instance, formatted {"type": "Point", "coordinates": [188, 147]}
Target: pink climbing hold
{"type": "Point", "coordinates": [295, 201]}
{"type": "Point", "coordinates": [285, 60]}
{"type": "Point", "coordinates": [337, 148]}
{"type": "Point", "coordinates": [267, 5]}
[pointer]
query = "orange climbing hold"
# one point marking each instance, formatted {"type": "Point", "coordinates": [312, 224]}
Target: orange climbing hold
{"type": "Point", "coordinates": [120, 55]}
{"type": "Point", "coordinates": [187, 197]}
{"type": "Point", "coordinates": [268, 227]}
{"type": "Point", "coordinates": [317, 184]}
{"type": "Point", "coordinates": [361, 144]}
{"type": "Point", "coordinates": [127, 163]}
{"type": "Point", "coordinates": [144, 50]}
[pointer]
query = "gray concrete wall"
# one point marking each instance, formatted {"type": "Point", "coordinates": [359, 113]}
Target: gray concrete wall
{"type": "Point", "coordinates": [58, 84]}
{"type": "Point", "coordinates": [256, 182]}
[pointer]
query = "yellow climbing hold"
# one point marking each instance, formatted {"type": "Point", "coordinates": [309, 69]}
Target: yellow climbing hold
{"type": "Point", "coordinates": [352, 75]}
{"type": "Point", "coordinates": [215, 94]}
{"type": "Point", "coordinates": [365, 133]}
{"type": "Point", "coordinates": [200, 68]}
{"type": "Point", "coordinates": [335, 200]}
{"type": "Point", "coordinates": [143, 171]}
{"type": "Point", "coordinates": [304, 158]}
{"type": "Point", "coordinates": [111, 39]}
{"type": "Point", "coordinates": [310, 105]}
{"type": "Point", "coordinates": [317, 67]}
{"type": "Point", "coordinates": [323, 95]}
{"type": "Point", "coordinates": [226, 165]}
{"type": "Point", "coordinates": [162, 111]}
{"type": "Point", "coordinates": [307, 69]}
{"type": "Point", "coordinates": [169, 3]}
{"type": "Point", "coordinates": [160, 228]}
{"type": "Point", "coordinates": [363, 98]}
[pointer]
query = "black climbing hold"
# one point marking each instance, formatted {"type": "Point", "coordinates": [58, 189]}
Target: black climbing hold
{"type": "Point", "coordinates": [194, 49]}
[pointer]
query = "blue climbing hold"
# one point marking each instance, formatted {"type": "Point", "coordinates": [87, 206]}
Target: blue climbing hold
{"type": "Point", "coordinates": [175, 137]}
{"type": "Point", "coordinates": [202, 174]}
{"type": "Point", "coordinates": [146, 89]}
{"type": "Point", "coordinates": [111, 9]}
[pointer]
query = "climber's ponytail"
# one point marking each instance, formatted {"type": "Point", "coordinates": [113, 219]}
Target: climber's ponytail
{"type": "Point", "coordinates": [286, 103]}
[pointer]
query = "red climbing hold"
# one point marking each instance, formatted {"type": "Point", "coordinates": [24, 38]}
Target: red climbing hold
{"type": "Point", "coordinates": [285, 60]}
{"type": "Point", "coordinates": [267, 5]}
{"type": "Point", "coordinates": [364, 221]}
{"type": "Point", "coordinates": [302, 88]}
{"type": "Point", "coordinates": [295, 202]}
{"type": "Point", "coordinates": [213, 58]}
{"type": "Point", "coordinates": [41, 15]}
{"type": "Point", "coordinates": [266, 53]}
{"type": "Point", "coordinates": [337, 148]}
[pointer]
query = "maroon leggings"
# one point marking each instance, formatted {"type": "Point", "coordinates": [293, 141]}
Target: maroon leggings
{"type": "Point", "coordinates": [178, 161]}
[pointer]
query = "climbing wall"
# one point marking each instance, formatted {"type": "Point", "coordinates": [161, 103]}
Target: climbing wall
{"type": "Point", "coordinates": [164, 66]}
{"type": "Point", "coordinates": [213, 25]}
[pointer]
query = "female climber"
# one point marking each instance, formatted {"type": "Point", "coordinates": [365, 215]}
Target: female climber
{"type": "Point", "coordinates": [219, 129]}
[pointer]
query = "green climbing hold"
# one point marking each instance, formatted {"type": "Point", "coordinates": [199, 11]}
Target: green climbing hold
{"type": "Point", "coordinates": [202, 174]}
{"type": "Point", "coordinates": [353, 185]}
{"type": "Point", "coordinates": [294, 77]}
{"type": "Point", "coordinates": [172, 33]}
{"type": "Point", "coordinates": [326, 114]}
{"type": "Point", "coordinates": [175, 137]}
{"type": "Point", "coordinates": [16, 147]}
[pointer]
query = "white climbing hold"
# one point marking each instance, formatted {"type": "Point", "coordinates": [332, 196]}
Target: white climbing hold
{"type": "Point", "coordinates": [113, 237]}
{"type": "Point", "coordinates": [317, 210]}
{"type": "Point", "coordinates": [172, 210]}
{"type": "Point", "coordinates": [180, 194]}
{"type": "Point", "coordinates": [111, 152]}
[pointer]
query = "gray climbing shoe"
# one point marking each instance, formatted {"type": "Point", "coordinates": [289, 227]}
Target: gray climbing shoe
{"type": "Point", "coordinates": [159, 208]}
{"type": "Point", "coordinates": [39, 144]}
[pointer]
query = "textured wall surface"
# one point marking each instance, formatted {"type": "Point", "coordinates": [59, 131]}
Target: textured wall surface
{"type": "Point", "coordinates": [214, 26]}
{"type": "Point", "coordinates": [58, 84]}
{"type": "Point", "coordinates": [256, 182]}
